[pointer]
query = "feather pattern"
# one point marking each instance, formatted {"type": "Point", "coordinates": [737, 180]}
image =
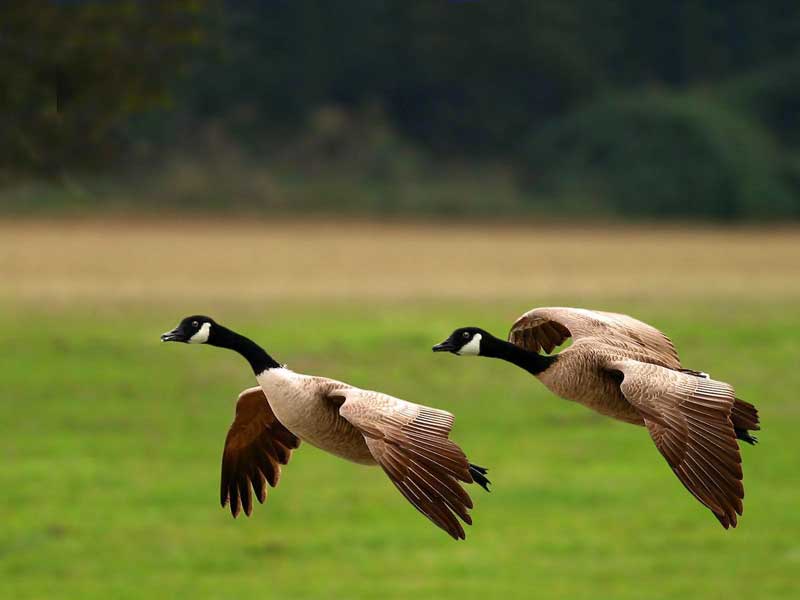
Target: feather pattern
{"type": "Point", "coordinates": [546, 328]}
{"type": "Point", "coordinates": [689, 419]}
{"type": "Point", "coordinates": [410, 442]}
{"type": "Point", "coordinates": [256, 446]}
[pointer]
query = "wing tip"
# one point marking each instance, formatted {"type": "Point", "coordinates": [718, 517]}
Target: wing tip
{"type": "Point", "coordinates": [728, 521]}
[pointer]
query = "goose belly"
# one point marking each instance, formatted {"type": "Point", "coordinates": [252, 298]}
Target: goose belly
{"type": "Point", "coordinates": [315, 420]}
{"type": "Point", "coordinates": [583, 380]}
{"type": "Point", "coordinates": [337, 436]}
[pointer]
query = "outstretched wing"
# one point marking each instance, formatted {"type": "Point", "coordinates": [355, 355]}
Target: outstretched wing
{"type": "Point", "coordinates": [689, 419]}
{"type": "Point", "coordinates": [410, 442]}
{"type": "Point", "coordinates": [255, 447]}
{"type": "Point", "coordinates": [546, 328]}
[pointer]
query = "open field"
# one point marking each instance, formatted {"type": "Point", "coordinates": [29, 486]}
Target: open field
{"type": "Point", "coordinates": [250, 262]}
{"type": "Point", "coordinates": [112, 441]}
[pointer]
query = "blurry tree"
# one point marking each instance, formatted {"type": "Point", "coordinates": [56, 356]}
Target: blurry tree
{"type": "Point", "coordinates": [682, 42]}
{"type": "Point", "coordinates": [485, 79]}
{"type": "Point", "coordinates": [72, 72]}
{"type": "Point", "coordinates": [472, 77]}
{"type": "Point", "coordinates": [671, 155]}
{"type": "Point", "coordinates": [772, 95]}
{"type": "Point", "coordinates": [455, 75]}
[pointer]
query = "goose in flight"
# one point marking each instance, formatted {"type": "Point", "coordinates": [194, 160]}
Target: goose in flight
{"type": "Point", "coordinates": [628, 370]}
{"type": "Point", "coordinates": [409, 441]}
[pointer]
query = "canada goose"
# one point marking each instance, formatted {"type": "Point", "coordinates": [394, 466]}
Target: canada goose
{"type": "Point", "coordinates": [409, 441]}
{"type": "Point", "coordinates": [630, 371]}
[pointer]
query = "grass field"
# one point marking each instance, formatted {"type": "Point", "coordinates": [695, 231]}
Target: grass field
{"type": "Point", "coordinates": [111, 442]}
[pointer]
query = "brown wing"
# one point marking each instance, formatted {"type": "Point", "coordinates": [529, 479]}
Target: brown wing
{"type": "Point", "coordinates": [255, 447]}
{"type": "Point", "coordinates": [689, 419]}
{"type": "Point", "coordinates": [546, 328]}
{"type": "Point", "coordinates": [410, 442]}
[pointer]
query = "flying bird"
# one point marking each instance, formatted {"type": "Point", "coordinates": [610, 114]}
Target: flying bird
{"type": "Point", "coordinates": [409, 441]}
{"type": "Point", "coordinates": [630, 371]}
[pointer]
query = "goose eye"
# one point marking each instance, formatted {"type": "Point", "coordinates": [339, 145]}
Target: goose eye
{"type": "Point", "coordinates": [195, 324]}
{"type": "Point", "coordinates": [466, 334]}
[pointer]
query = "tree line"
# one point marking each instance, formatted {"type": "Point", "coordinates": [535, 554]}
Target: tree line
{"type": "Point", "coordinates": [590, 102]}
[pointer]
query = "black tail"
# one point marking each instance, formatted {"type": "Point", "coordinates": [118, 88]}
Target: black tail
{"type": "Point", "coordinates": [479, 476]}
{"type": "Point", "coordinates": [745, 417]}
{"type": "Point", "coordinates": [744, 435]}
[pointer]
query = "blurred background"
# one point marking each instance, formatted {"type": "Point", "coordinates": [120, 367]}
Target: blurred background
{"type": "Point", "coordinates": [685, 109]}
{"type": "Point", "coordinates": [346, 183]}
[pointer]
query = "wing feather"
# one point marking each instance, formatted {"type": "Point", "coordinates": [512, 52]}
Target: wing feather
{"type": "Point", "coordinates": [546, 328]}
{"type": "Point", "coordinates": [689, 419]}
{"type": "Point", "coordinates": [410, 442]}
{"type": "Point", "coordinates": [255, 447]}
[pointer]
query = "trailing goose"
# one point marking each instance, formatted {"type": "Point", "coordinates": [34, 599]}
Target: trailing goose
{"type": "Point", "coordinates": [628, 370]}
{"type": "Point", "coordinates": [409, 441]}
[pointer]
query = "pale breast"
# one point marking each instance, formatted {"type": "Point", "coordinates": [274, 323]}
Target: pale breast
{"type": "Point", "coordinates": [301, 406]}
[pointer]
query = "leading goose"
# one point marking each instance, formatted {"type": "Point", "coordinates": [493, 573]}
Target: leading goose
{"type": "Point", "coordinates": [630, 371]}
{"type": "Point", "coordinates": [409, 441]}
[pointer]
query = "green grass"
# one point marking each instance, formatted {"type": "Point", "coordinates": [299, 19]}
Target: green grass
{"type": "Point", "coordinates": [111, 449]}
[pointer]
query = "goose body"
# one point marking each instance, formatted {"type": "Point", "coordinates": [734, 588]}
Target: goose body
{"type": "Point", "coordinates": [579, 375]}
{"type": "Point", "coordinates": [303, 404]}
{"type": "Point", "coordinates": [410, 442]}
{"type": "Point", "coordinates": [628, 370]}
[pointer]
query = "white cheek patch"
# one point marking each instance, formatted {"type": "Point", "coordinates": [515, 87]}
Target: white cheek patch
{"type": "Point", "coordinates": [201, 337]}
{"type": "Point", "coordinates": [472, 348]}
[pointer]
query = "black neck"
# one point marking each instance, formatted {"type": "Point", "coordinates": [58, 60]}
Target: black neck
{"type": "Point", "coordinates": [533, 362]}
{"type": "Point", "coordinates": [258, 358]}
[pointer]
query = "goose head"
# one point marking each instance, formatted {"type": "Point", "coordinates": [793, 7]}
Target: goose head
{"type": "Point", "coordinates": [196, 329]}
{"type": "Point", "coordinates": [465, 341]}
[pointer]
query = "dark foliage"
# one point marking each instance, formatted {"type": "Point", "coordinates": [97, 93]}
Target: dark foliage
{"type": "Point", "coordinates": [471, 80]}
{"type": "Point", "coordinates": [72, 72]}
{"type": "Point", "coordinates": [661, 155]}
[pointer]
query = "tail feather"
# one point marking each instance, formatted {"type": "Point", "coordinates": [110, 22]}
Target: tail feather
{"type": "Point", "coordinates": [744, 417]}
{"type": "Point", "coordinates": [744, 435]}
{"type": "Point", "coordinates": [479, 476]}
